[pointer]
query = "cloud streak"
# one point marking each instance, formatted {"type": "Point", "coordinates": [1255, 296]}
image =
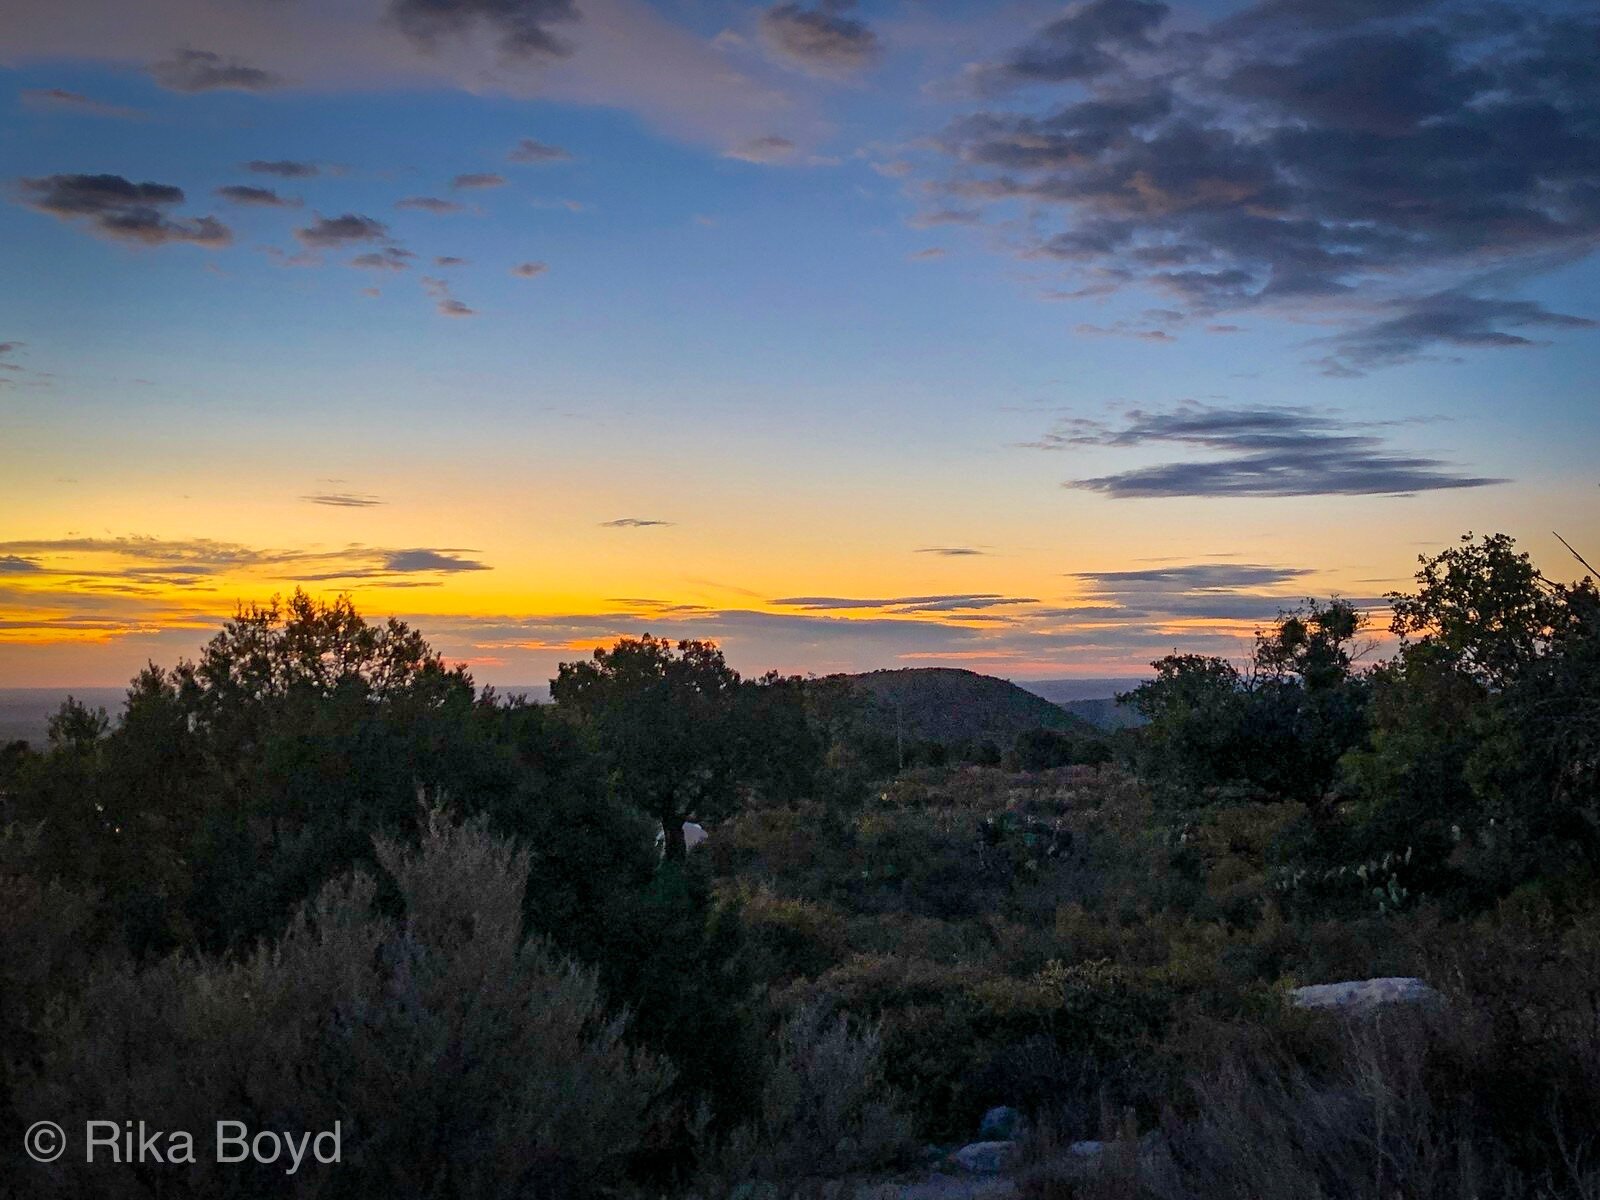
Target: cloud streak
{"type": "Point", "coordinates": [958, 603]}
{"type": "Point", "coordinates": [204, 71]}
{"type": "Point", "coordinates": [258, 197]}
{"type": "Point", "coordinates": [766, 150]}
{"type": "Point", "coordinates": [1288, 451]}
{"type": "Point", "coordinates": [284, 168]}
{"type": "Point", "coordinates": [343, 499]}
{"type": "Point", "coordinates": [62, 100]}
{"type": "Point", "coordinates": [428, 204]}
{"type": "Point", "coordinates": [146, 562]}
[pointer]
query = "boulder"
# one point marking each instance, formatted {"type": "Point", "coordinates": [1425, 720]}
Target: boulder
{"type": "Point", "coordinates": [693, 835]}
{"type": "Point", "coordinates": [987, 1158]}
{"type": "Point", "coordinates": [1000, 1124]}
{"type": "Point", "coordinates": [1362, 997]}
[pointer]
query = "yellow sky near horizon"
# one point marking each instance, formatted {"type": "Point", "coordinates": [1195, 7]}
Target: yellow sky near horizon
{"type": "Point", "coordinates": [843, 584]}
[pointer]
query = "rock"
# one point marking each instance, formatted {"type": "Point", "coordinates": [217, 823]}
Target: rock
{"type": "Point", "coordinates": [693, 835]}
{"type": "Point", "coordinates": [1362, 997]}
{"type": "Point", "coordinates": [986, 1158]}
{"type": "Point", "coordinates": [1000, 1124]}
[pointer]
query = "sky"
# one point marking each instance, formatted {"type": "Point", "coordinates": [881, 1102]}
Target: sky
{"type": "Point", "coordinates": [1031, 338]}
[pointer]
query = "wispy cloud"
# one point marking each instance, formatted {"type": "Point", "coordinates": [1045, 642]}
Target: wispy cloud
{"type": "Point", "coordinates": [258, 197]}
{"type": "Point", "coordinates": [284, 168]}
{"type": "Point", "coordinates": [532, 151]}
{"type": "Point", "coordinates": [343, 499]}
{"type": "Point", "coordinates": [144, 563]}
{"type": "Point", "coordinates": [633, 523]}
{"type": "Point", "coordinates": [969, 602]}
{"type": "Point", "coordinates": [390, 258]}
{"type": "Point", "coordinates": [1448, 319]}
{"type": "Point", "coordinates": [766, 150]}
{"type": "Point", "coordinates": [1288, 451]}
{"type": "Point", "coordinates": [205, 71]}
{"type": "Point", "coordinates": [430, 204]}
{"type": "Point", "coordinates": [444, 301]}
{"type": "Point", "coordinates": [62, 100]}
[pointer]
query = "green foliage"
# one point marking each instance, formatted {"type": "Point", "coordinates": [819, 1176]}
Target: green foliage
{"type": "Point", "coordinates": [667, 723]}
{"type": "Point", "coordinates": [1484, 728]}
{"type": "Point", "coordinates": [460, 1058]}
{"type": "Point", "coordinates": [953, 707]}
{"type": "Point", "coordinates": [678, 959]}
{"type": "Point", "coordinates": [825, 1109]}
{"type": "Point", "coordinates": [1481, 607]}
{"type": "Point", "coordinates": [1280, 730]}
{"type": "Point", "coordinates": [45, 950]}
{"type": "Point", "coordinates": [1046, 749]}
{"type": "Point", "coordinates": [1042, 932]}
{"type": "Point", "coordinates": [789, 937]}
{"type": "Point", "coordinates": [1310, 644]}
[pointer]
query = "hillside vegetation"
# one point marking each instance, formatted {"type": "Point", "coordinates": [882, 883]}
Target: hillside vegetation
{"type": "Point", "coordinates": [957, 707]}
{"type": "Point", "coordinates": [319, 875]}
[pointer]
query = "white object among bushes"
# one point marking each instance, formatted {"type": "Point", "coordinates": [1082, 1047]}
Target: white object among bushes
{"type": "Point", "coordinates": [693, 835]}
{"type": "Point", "coordinates": [1359, 997]}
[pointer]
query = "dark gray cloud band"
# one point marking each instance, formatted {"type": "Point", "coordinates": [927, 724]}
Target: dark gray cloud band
{"type": "Point", "coordinates": [63, 100]}
{"type": "Point", "coordinates": [326, 232]}
{"type": "Point", "coordinates": [284, 168]}
{"type": "Point", "coordinates": [1306, 157]}
{"type": "Point", "coordinates": [1285, 451]}
{"type": "Point", "coordinates": [525, 29]}
{"type": "Point", "coordinates": [823, 40]}
{"type": "Point", "coordinates": [203, 71]}
{"type": "Point", "coordinates": [118, 208]}
{"type": "Point", "coordinates": [258, 197]}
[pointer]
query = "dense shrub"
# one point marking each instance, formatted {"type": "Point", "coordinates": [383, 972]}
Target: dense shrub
{"type": "Point", "coordinates": [826, 1109]}
{"type": "Point", "coordinates": [459, 1058]}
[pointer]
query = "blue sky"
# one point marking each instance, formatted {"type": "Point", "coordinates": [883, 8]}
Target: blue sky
{"type": "Point", "coordinates": [808, 292]}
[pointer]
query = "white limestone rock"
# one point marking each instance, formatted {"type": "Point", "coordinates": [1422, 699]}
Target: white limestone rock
{"type": "Point", "coordinates": [1362, 997]}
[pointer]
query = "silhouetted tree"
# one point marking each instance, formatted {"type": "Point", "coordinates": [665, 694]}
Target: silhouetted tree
{"type": "Point", "coordinates": [1483, 607]}
{"type": "Point", "coordinates": [1281, 728]}
{"type": "Point", "coordinates": [666, 722]}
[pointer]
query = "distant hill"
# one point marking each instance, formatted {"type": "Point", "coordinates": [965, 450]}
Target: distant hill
{"type": "Point", "coordinates": [944, 704]}
{"type": "Point", "coordinates": [25, 712]}
{"type": "Point", "coordinates": [1105, 714]}
{"type": "Point", "coordinates": [1064, 691]}
{"type": "Point", "coordinates": [1094, 700]}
